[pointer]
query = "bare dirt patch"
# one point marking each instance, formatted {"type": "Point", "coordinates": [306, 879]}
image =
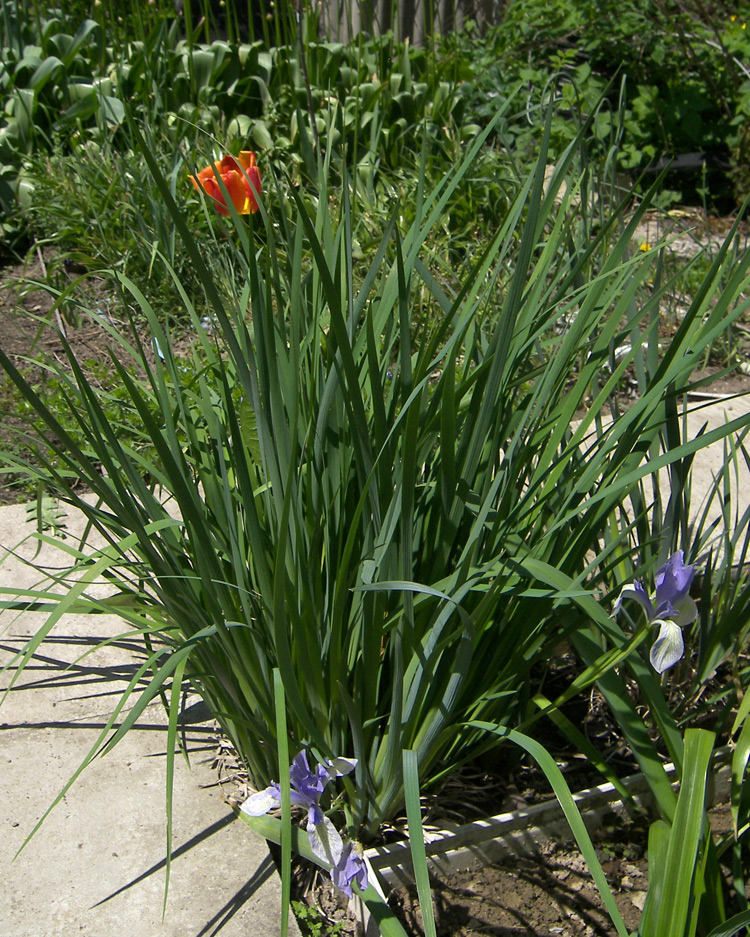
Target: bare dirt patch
{"type": "Point", "coordinates": [46, 305]}
{"type": "Point", "coordinates": [549, 895]}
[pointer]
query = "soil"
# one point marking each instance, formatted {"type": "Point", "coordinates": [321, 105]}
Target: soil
{"type": "Point", "coordinates": [30, 320]}
{"type": "Point", "coordinates": [550, 894]}
{"type": "Point", "coordinates": [30, 326]}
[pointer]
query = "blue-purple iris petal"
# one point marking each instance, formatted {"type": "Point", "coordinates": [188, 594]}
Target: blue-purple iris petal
{"type": "Point", "coordinates": [324, 774]}
{"type": "Point", "coordinates": [673, 580]}
{"type": "Point", "coordinates": [297, 799]}
{"type": "Point", "coordinates": [315, 814]}
{"type": "Point", "coordinates": [664, 609]}
{"type": "Point", "coordinates": [642, 597]}
{"type": "Point", "coordinates": [350, 868]}
{"type": "Point", "coordinates": [303, 780]}
{"type": "Point", "coordinates": [299, 770]}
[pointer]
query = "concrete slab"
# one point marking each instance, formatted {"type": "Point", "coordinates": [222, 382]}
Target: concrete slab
{"type": "Point", "coordinates": [706, 415]}
{"type": "Point", "coordinates": [97, 865]}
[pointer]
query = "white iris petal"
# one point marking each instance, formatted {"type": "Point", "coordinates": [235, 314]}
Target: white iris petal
{"type": "Point", "coordinates": [668, 647]}
{"type": "Point", "coordinates": [257, 805]}
{"type": "Point", "coordinates": [343, 766]}
{"type": "Point", "coordinates": [325, 841]}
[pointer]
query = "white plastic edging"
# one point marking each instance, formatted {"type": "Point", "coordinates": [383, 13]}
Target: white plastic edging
{"type": "Point", "coordinates": [522, 832]}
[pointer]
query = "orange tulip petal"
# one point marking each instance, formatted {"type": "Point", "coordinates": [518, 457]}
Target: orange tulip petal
{"type": "Point", "coordinates": [252, 188]}
{"type": "Point", "coordinates": [241, 178]}
{"type": "Point", "coordinates": [235, 184]}
{"type": "Point", "coordinates": [227, 164]}
{"type": "Point", "coordinates": [246, 159]}
{"type": "Point", "coordinates": [212, 190]}
{"type": "Point", "coordinates": [208, 173]}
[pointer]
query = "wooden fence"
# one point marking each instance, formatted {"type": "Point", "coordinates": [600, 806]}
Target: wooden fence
{"type": "Point", "coordinates": [410, 19]}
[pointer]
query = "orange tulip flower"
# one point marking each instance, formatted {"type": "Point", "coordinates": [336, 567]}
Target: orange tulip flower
{"type": "Point", "coordinates": [241, 179]}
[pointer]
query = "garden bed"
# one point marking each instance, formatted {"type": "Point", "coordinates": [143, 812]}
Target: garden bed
{"type": "Point", "coordinates": [514, 874]}
{"type": "Point", "coordinates": [31, 324]}
{"type": "Point", "coordinates": [547, 893]}
{"type": "Point", "coordinates": [550, 894]}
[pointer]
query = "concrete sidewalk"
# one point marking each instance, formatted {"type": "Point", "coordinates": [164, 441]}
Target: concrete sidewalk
{"type": "Point", "coordinates": [97, 865]}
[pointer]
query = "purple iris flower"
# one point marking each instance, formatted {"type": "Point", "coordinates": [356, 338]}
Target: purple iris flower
{"type": "Point", "coordinates": [350, 868]}
{"type": "Point", "coordinates": [306, 790]}
{"type": "Point", "coordinates": [670, 609]}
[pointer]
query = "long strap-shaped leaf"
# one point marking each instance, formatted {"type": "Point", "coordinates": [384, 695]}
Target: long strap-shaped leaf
{"type": "Point", "coordinates": [416, 840]}
{"type": "Point", "coordinates": [286, 804]}
{"type": "Point", "coordinates": [733, 926]}
{"type": "Point", "coordinates": [669, 910]}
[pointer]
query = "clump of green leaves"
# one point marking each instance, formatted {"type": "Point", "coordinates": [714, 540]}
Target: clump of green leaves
{"type": "Point", "coordinates": [312, 923]}
{"type": "Point", "coordinates": [385, 509]}
{"type": "Point", "coordinates": [677, 76]}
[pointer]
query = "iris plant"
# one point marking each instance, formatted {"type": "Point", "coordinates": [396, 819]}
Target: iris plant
{"type": "Point", "coordinates": [670, 609]}
{"type": "Point", "coordinates": [306, 791]}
